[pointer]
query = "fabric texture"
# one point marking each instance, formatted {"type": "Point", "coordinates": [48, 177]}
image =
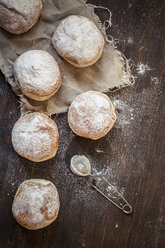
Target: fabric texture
{"type": "Point", "coordinates": [111, 70]}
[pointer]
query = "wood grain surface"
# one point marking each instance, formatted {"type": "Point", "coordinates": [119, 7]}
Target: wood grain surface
{"type": "Point", "coordinates": [131, 156]}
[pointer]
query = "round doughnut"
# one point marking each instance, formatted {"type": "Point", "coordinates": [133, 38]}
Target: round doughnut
{"type": "Point", "coordinates": [35, 137]}
{"type": "Point", "coordinates": [18, 16]}
{"type": "Point", "coordinates": [91, 115]}
{"type": "Point", "coordinates": [78, 41]}
{"type": "Point", "coordinates": [36, 204]}
{"type": "Point", "coordinates": [37, 74]}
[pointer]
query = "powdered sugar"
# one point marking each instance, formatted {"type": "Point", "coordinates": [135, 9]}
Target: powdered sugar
{"type": "Point", "coordinates": [37, 71]}
{"type": "Point", "coordinates": [141, 68]}
{"type": "Point", "coordinates": [155, 80]}
{"type": "Point", "coordinates": [78, 38]}
{"type": "Point", "coordinates": [21, 7]}
{"type": "Point", "coordinates": [34, 136]}
{"type": "Point", "coordinates": [36, 202]}
{"type": "Point", "coordinates": [19, 15]}
{"type": "Point", "coordinates": [124, 112]}
{"type": "Point", "coordinates": [109, 190]}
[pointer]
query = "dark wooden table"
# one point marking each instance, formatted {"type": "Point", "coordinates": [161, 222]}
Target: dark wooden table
{"type": "Point", "coordinates": [131, 156]}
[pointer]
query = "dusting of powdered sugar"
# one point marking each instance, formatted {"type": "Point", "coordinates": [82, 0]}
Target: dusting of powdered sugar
{"type": "Point", "coordinates": [78, 38]}
{"type": "Point", "coordinates": [96, 178]}
{"type": "Point", "coordinates": [111, 190]}
{"type": "Point", "coordinates": [34, 136]}
{"type": "Point", "coordinates": [155, 80]}
{"type": "Point", "coordinates": [91, 113]}
{"type": "Point", "coordinates": [141, 68]}
{"type": "Point", "coordinates": [124, 113]}
{"type": "Point", "coordinates": [37, 71]}
{"type": "Point", "coordinates": [22, 7]}
{"type": "Point", "coordinates": [21, 15]}
{"type": "Point", "coordinates": [36, 202]}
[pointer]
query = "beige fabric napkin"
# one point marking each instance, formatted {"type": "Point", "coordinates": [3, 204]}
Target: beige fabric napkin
{"type": "Point", "coordinates": [112, 69]}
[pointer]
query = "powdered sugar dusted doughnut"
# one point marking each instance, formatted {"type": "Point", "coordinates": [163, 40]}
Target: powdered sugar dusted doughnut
{"type": "Point", "coordinates": [18, 16]}
{"type": "Point", "coordinates": [78, 41]}
{"type": "Point", "coordinates": [36, 204]}
{"type": "Point", "coordinates": [37, 74]}
{"type": "Point", "coordinates": [91, 115]}
{"type": "Point", "coordinates": [35, 137]}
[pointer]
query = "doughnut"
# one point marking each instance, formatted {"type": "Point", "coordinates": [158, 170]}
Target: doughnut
{"type": "Point", "coordinates": [78, 41]}
{"type": "Point", "coordinates": [18, 16]}
{"type": "Point", "coordinates": [36, 204]}
{"type": "Point", "coordinates": [35, 137]}
{"type": "Point", "coordinates": [91, 115]}
{"type": "Point", "coordinates": [37, 74]}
